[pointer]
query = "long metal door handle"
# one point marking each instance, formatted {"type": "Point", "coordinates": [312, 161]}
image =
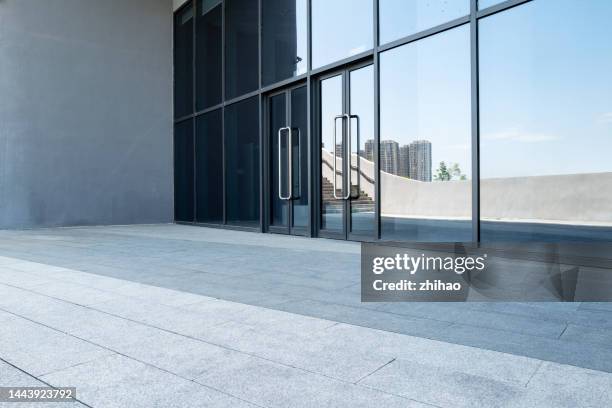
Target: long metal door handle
{"type": "Point", "coordinates": [358, 157]}
{"type": "Point", "coordinates": [280, 165]}
{"type": "Point", "coordinates": [299, 170]}
{"type": "Point", "coordinates": [343, 153]}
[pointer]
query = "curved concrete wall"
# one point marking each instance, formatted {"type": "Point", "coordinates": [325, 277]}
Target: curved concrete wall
{"type": "Point", "coordinates": [582, 199]}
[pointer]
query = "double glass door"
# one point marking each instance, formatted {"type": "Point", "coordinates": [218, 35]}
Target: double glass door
{"type": "Point", "coordinates": [347, 171]}
{"type": "Point", "coordinates": [288, 161]}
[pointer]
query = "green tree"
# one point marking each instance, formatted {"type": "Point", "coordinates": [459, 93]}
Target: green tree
{"type": "Point", "coordinates": [448, 173]}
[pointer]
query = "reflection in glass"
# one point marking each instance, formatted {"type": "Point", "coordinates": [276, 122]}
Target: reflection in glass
{"type": "Point", "coordinates": [242, 162]}
{"type": "Point", "coordinates": [284, 39]}
{"type": "Point", "coordinates": [399, 18]}
{"type": "Point", "coordinates": [209, 168]}
{"type": "Point", "coordinates": [241, 47]}
{"type": "Point", "coordinates": [208, 55]}
{"type": "Point", "coordinates": [183, 171]}
{"type": "Point", "coordinates": [425, 133]}
{"type": "Point", "coordinates": [299, 126]}
{"type": "Point", "coordinates": [488, 3]}
{"type": "Point", "coordinates": [340, 29]}
{"type": "Point", "coordinates": [546, 122]}
{"type": "Point", "coordinates": [183, 62]}
{"type": "Point", "coordinates": [332, 209]}
{"type": "Point", "coordinates": [363, 177]}
{"type": "Point", "coordinates": [278, 187]}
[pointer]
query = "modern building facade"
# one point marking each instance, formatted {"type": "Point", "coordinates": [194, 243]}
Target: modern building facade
{"type": "Point", "coordinates": [455, 121]}
{"type": "Point", "coordinates": [283, 110]}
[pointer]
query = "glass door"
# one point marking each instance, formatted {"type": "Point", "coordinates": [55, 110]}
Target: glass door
{"type": "Point", "coordinates": [347, 167]}
{"type": "Point", "coordinates": [288, 162]}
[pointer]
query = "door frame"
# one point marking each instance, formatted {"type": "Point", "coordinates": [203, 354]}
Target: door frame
{"type": "Point", "coordinates": [267, 182]}
{"type": "Point", "coordinates": [345, 234]}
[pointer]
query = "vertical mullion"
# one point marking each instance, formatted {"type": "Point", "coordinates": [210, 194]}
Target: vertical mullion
{"type": "Point", "coordinates": [262, 182]}
{"type": "Point", "coordinates": [223, 150]}
{"type": "Point", "coordinates": [377, 206]}
{"type": "Point", "coordinates": [475, 120]}
{"type": "Point", "coordinates": [193, 100]}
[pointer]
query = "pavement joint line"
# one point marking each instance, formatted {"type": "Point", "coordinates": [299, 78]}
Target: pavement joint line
{"type": "Point", "coordinates": [189, 337]}
{"type": "Point", "coordinates": [534, 373]}
{"type": "Point", "coordinates": [40, 380]}
{"type": "Point", "coordinates": [564, 330]}
{"type": "Point", "coordinates": [77, 364]}
{"type": "Point", "coordinates": [376, 370]}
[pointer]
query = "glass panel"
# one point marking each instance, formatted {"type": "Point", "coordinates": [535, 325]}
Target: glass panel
{"type": "Point", "coordinates": [284, 39]}
{"type": "Point", "coordinates": [363, 176]}
{"type": "Point", "coordinates": [487, 3]}
{"type": "Point", "coordinates": [399, 18]}
{"type": "Point", "coordinates": [241, 47]}
{"type": "Point", "coordinates": [332, 210]}
{"type": "Point", "coordinates": [183, 171]}
{"type": "Point", "coordinates": [278, 120]}
{"type": "Point", "coordinates": [299, 126]}
{"type": "Point", "coordinates": [242, 162]}
{"type": "Point", "coordinates": [546, 122]}
{"type": "Point", "coordinates": [340, 29]}
{"type": "Point", "coordinates": [208, 56]}
{"type": "Point", "coordinates": [209, 168]}
{"type": "Point", "coordinates": [425, 133]}
{"type": "Point", "coordinates": [183, 62]}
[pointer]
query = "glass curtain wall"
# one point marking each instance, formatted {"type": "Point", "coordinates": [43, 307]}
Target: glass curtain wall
{"type": "Point", "coordinates": [485, 107]}
{"type": "Point", "coordinates": [546, 122]}
{"type": "Point", "coordinates": [425, 133]}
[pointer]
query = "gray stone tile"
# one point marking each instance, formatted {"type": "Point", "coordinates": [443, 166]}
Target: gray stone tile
{"type": "Point", "coordinates": [21, 279]}
{"type": "Point", "coordinates": [180, 355]}
{"type": "Point", "coordinates": [38, 349]}
{"type": "Point", "coordinates": [310, 351]}
{"type": "Point", "coordinates": [119, 382]}
{"type": "Point", "coordinates": [580, 334]}
{"type": "Point", "coordinates": [182, 321]}
{"type": "Point", "coordinates": [502, 367]}
{"type": "Point", "coordinates": [440, 387]}
{"type": "Point", "coordinates": [268, 384]}
{"type": "Point", "coordinates": [518, 324]}
{"type": "Point", "coordinates": [73, 293]}
{"type": "Point", "coordinates": [159, 295]}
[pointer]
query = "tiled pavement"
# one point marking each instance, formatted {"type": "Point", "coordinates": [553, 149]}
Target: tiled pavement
{"type": "Point", "coordinates": [176, 316]}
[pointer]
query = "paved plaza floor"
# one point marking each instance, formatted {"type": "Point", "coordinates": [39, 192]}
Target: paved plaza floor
{"type": "Point", "coordinates": [180, 316]}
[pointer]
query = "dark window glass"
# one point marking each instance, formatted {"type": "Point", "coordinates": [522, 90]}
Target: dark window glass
{"type": "Point", "coordinates": [183, 171]}
{"type": "Point", "coordinates": [278, 170]}
{"type": "Point", "coordinates": [425, 139]}
{"type": "Point", "coordinates": [399, 18]}
{"type": "Point", "coordinates": [208, 56]}
{"type": "Point", "coordinates": [241, 47]}
{"type": "Point", "coordinates": [299, 126]}
{"type": "Point", "coordinates": [546, 122]}
{"type": "Point", "coordinates": [284, 39]}
{"type": "Point", "coordinates": [209, 168]}
{"type": "Point", "coordinates": [340, 29]}
{"type": "Point", "coordinates": [242, 162]}
{"type": "Point", "coordinates": [183, 62]}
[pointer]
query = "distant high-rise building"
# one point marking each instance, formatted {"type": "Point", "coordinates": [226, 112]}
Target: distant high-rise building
{"type": "Point", "coordinates": [389, 156]}
{"type": "Point", "coordinates": [404, 161]}
{"type": "Point", "coordinates": [420, 160]}
{"type": "Point", "coordinates": [369, 150]}
{"type": "Point", "coordinates": [339, 150]}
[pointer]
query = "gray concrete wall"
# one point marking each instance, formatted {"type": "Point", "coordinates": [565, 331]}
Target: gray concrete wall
{"type": "Point", "coordinates": [85, 112]}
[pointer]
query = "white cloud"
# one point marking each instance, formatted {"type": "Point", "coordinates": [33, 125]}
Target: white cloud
{"type": "Point", "coordinates": [520, 136]}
